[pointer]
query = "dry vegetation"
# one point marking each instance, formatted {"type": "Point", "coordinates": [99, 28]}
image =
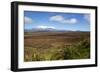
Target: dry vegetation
{"type": "Point", "coordinates": [41, 46]}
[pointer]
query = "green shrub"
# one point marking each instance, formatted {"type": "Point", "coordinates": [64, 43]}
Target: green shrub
{"type": "Point", "coordinates": [80, 50]}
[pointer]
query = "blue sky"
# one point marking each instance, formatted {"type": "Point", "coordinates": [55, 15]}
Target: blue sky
{"type": "Point", "coordinates": [57, 20]}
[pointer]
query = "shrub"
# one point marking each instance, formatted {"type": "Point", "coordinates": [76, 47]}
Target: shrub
{"type": "Point", "coordinates": [80, 50]}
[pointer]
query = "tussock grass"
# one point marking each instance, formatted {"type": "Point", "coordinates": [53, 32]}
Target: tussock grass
{"type": "Point", "coordinates": [79, 50]}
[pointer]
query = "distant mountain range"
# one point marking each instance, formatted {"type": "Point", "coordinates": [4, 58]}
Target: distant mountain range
{"type": "Point", "coordinates": [50, 30]}
{"type": "Point", "coordinates": [43, 30]}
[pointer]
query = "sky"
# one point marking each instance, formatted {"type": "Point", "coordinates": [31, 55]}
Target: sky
{"type": "Point", "coordinates": [57, 20]}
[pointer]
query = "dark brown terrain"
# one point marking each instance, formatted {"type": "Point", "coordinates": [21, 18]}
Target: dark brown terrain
{"type": "Point", "coordinates": [41, 46]}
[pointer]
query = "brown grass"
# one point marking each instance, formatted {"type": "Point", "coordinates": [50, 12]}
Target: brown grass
{"type": "Point", "coordinates": [45, 45]}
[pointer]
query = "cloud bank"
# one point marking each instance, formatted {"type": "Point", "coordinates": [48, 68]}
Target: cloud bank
{"type": "Point", "coordinates": [61, 19]}
{"type": "Point", "coordinates": [87, 17]}
{"type": "Point", "coordinates": [27, 20]}
{"type": "Point", "coordinates": [45, 27]}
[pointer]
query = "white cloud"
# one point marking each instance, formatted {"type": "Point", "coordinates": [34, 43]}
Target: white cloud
{"type": "Point", "coordinates": [57, 18]}
{"type": "Point", "coordinates": [87, 17]}
{"type": "Point", "coordinates": [61, 19]}
{"type": "Point", "coordinates": [27, 20]}
{"type": "Point", "coordinates": [70, 21]}
{"type": "Point", "coordinates": [45, 27]}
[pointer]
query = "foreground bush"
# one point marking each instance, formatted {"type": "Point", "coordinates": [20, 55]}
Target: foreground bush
{"type": "Point", "coordinates": [80, 50]}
